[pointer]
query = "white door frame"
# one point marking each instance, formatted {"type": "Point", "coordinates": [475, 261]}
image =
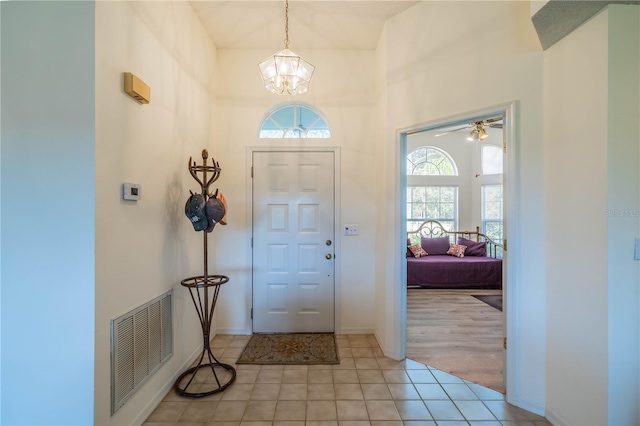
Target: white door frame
{"type": "Point", "coordinates": [508, 110]}
{"type": "Point", "coordinates": [337, 226]}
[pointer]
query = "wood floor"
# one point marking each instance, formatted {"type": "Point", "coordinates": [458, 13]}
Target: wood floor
{"type": "Point", "coordinates": [456, 333]}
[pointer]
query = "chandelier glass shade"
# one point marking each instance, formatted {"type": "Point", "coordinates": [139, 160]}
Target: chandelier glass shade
{"type": "Point", "coordinates": [286, 73]}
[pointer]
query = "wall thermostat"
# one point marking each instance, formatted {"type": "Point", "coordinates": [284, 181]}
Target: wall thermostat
{"type": "Point", "coordinates": [131, 191]}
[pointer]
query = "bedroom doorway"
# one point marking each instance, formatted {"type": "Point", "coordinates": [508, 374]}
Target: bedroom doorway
{"type": "Point", "coordinates": [456, 171]}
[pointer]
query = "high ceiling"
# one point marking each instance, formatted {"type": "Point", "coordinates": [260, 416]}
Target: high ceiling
{"type": "Point", "coordinates": [313, 24]}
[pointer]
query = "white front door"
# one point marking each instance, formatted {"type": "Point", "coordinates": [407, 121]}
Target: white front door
{"type": "Point", "coordinates": [293, 241]}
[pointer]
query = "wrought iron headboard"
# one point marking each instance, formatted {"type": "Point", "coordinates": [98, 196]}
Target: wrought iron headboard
{"type": "Point", "coordinates": [434, 229]}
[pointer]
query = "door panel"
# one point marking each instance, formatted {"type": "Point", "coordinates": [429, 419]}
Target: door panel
{"type": "Point", "coordinates": [293, 217]}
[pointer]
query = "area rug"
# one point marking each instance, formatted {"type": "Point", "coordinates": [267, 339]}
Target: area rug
{"type": "Point", "coordinates": [290, 348]}
{"type": "Point", "coordinates": [493, 301]}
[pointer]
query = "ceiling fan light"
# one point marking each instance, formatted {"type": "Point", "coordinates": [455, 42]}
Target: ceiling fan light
{"type": "Point", "coordinates": [474, 135]}
{"type": "Point", "coordinates": [483, 134]}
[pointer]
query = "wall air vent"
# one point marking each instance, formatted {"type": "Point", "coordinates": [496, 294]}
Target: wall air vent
{"type": "Point", "coordinates": [141, 342]}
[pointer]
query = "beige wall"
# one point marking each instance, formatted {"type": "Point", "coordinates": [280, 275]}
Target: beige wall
{"type": "Point", "coordinates": [623, 190]}
{"type": "Point", "coordinates": [445, 58]}
{"type": "Point", "coordinates": [385, 296]}
{"type": "Point", "coordinates": [145, 248]}
{"type": "Point", "coordinates": [536, 5]}
{"type": "Point", "coordinates": [343, 88]}
{"type": "Point", "coordinates": [576, 94]}
{"type": "Point", "coordinates": [592, 173]}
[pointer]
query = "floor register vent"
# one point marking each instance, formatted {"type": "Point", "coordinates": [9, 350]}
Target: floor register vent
{"type": "Point", "coordinates": [141, 342]}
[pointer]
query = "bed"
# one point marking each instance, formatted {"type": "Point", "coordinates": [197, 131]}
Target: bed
{"type": "Point", "coordinates": [479, 266]}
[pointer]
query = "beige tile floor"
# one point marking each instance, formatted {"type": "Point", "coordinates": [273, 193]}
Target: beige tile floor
{"type": "Point", "coordinates": [364, 389]}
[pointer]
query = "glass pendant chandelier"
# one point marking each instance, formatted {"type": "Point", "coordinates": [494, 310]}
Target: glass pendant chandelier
{"type": "Point", "coordinates": [286, 73]}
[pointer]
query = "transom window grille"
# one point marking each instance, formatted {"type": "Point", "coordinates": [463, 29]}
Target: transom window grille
{"type": "Point", "coordinates": [430, 161]}
{"type": "Point", "coordinates": [294, 121]}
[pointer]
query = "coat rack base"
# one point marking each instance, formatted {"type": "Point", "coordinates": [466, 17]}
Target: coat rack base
{"type": "Point", "coordinates": [213, 376]}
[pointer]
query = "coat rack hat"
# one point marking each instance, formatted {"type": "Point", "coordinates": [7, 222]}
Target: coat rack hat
{"type": "Point", "coordinates": [215, 212]}
{"type": "Point", "coordinates": [220, 197]}
{"type": "Point", "coordinates": [195, 211]}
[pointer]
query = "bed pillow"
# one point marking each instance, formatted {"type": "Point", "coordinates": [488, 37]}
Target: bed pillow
{"type": "Point", "coordinates": [456, 250]}
{"type": "Point", "coordinates": [417, 251]}
{"type": "Point", "coordinates": [435, 246]}
{"type": "Point", "coordinates": [474, 248]}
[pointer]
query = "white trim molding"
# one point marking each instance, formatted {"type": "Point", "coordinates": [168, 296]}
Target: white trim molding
{"type": "Point", "coordinates": [397, 306]}
{"type": "Point", "coordinates": [337, 225]}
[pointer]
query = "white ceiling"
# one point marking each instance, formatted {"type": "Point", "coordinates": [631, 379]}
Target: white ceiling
{"type": "Point", "coordinates": [336, 24]}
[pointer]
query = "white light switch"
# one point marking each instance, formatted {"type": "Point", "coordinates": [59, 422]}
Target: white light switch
{"type": "Point", "coordinates": [351, 230]}
{"type": "Point", "coordinates": [131, 191]}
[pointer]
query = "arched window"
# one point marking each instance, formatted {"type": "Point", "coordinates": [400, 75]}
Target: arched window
{"type": "Point", "coordinates": [430, 197]}
{"type": "Point", "coordinates": [430, 161]}
{"type": "Point", "coordinates": [294, 120]}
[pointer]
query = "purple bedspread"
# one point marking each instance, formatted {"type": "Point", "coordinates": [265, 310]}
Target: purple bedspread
{"type": "Point", "coordinates": [453, 272]}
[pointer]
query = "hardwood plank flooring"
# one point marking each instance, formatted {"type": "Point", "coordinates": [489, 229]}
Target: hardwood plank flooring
{"type": "Point", "coordinates": [457, 333]}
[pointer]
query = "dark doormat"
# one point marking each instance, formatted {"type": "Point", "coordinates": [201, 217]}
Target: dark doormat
{"type": "Point", "coordinates": [290, 348]}
{"type": "Point", "coordinates": [493, 301]}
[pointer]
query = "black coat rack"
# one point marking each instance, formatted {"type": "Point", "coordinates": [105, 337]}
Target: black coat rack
{"type": "Point", "coordinates": [204, 290]}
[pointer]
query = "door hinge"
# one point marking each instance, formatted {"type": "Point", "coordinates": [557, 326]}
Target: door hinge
{"type": "Point", "coordinates": [504, 244]}
{"type": "Point", "coordinates": [504, 147]}
{"type": "Point", "coordinates": [504, 342]}
{"type": "Point", "coordinates": [251, 313]}
{"type": "Point", "coordinates": [252, 172]}
{"type": "Point", "coordinates": [251, 242]}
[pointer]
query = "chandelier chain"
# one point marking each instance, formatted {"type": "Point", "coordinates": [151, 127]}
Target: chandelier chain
{"type": "Point", "coordinates": [286, 24]}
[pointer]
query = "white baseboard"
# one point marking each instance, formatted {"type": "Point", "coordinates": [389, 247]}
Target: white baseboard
{"type": "Point", "coordinates": [164, 390]}
{"type": "Point", "coordinates": [554, 419]}
{"type": "Point", "coordinates": [531, 406]}
{"type": "Point", "coordinates": [355, 330]}
{"type": "Point", "coordinates": [395, 355]}
{"type": "Point", "coordinates": [232, 330]}
{"type": "Point", "coordinates": [246, 332]}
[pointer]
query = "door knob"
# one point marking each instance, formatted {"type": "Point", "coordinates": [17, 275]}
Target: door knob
{"type": "Point", "coordinates": [328, 256]}
{"type": "Point", "coordinates": [328, 242]}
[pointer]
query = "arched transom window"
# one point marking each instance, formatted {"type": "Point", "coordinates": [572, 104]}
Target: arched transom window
{"type": "Point", "coordinates": [294, 120]}
{"type": "Point", "coordinates": [430, 161]}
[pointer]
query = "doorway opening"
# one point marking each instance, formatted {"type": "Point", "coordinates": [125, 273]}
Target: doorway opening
{"type": "Point", "coordinates": [456, 171]}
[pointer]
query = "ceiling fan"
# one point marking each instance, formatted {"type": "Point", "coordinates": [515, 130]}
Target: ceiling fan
{"type": "Point", "coordinates": [478, 132]}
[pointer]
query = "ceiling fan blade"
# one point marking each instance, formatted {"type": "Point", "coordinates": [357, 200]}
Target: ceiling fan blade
{"type": "Point", "coordinates": [452, 130]}
{"type": "Point", "coordinates": [495, 125]}
{"type": "Point", "coordinates": [492, 120]}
